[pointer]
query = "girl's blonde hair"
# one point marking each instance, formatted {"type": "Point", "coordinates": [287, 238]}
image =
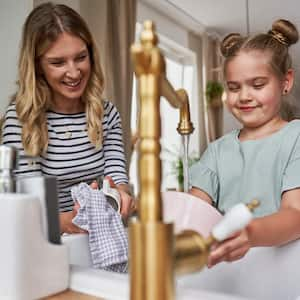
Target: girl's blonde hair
{"type": "Point", "coordinates": [276, 42]}
{"type": "Point", "coordinates": [33, 97]}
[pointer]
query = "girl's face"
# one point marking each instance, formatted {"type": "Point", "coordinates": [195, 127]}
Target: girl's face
{"type": "Point", "coordinates": [66, 68]}
{"type": "Point", "coordinates": [253, 90]}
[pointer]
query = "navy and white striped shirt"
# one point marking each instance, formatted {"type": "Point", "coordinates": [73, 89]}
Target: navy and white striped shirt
{"type": "Point", "coordinates": [70, 155]}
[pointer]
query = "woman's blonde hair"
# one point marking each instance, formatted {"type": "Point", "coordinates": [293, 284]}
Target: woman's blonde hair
{"type": "Point", "coordinates": [33, 97]}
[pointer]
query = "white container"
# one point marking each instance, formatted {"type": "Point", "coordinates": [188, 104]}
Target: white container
{"type": "Point", "coordinates": [79, 249]}
{"type": "Point", "coordinates": [31, 267]}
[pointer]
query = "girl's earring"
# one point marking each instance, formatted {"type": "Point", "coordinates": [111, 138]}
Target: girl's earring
{"type": "Point", "coordinates": [285, 91]}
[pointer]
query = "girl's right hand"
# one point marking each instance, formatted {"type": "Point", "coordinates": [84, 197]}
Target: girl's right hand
{"type": "Point", "coordinates": [232, 249]}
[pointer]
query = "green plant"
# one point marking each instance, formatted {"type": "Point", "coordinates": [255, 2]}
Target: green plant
{"type": "Point", "coordinates": [214, 89]}
{"type": "Point", "coordinates": [172, 156]}
{"type": "Point", "coordinates": [178, 168]}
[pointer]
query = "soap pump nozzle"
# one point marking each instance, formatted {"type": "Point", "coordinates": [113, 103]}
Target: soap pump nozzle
{"type": "Point", "coordinates": [8, 162]}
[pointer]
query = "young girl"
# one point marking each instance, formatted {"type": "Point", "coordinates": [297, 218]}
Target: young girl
{"type": "Point", "coordinates": [58, 114]}
{"type": "Point", "coordinates": [262, 160]}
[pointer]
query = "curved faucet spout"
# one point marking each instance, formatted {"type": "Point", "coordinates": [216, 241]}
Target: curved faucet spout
{"type": "Point", "coordinates": [185, 129]}
{"type": "Point", "coordinates": [185, 126]}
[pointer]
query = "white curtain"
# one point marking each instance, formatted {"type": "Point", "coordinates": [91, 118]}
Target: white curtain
{"type": "Point", "coordinates": [212, 71]}
{"type": "Point", "coordinates": [196, 45]}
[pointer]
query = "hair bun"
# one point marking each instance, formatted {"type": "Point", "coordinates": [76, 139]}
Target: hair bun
{"type": "Point", "coordinates": [285, 32]}
{"type": "Point", "coordinates": [229, 43]}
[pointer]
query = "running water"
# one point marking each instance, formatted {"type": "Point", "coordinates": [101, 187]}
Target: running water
{"type": "Point", "coordinates": [185, 146]}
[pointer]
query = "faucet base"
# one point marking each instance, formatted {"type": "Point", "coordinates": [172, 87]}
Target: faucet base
{"type": "Point", "coordinates": [151, 261]}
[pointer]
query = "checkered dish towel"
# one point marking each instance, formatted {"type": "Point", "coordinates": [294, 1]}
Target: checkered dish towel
{"type": "Point", "coordinates": [108, 239]}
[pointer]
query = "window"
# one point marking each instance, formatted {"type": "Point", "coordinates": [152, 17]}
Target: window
{"type": "Point", "coordinates": [181, 74]}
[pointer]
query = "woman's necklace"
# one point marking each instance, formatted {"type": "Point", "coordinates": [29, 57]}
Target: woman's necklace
{"type": "Point", "coordinates": [68, 132]}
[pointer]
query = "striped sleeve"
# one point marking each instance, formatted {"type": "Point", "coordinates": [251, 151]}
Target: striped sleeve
{"type": "Point", "coordinates": [115, 165]}
{"type": "Point", "coordinates": [11, 136]}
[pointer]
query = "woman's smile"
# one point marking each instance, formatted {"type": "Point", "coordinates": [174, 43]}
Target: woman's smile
{"type": "Point", "coordinates": [73, 85]}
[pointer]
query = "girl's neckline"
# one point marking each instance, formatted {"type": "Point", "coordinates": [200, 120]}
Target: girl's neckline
{"type": "Point", "coordinates": [279, 131]}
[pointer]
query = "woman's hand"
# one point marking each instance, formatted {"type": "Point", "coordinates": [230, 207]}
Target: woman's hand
{"type": "Point", "coordinates": [127, 201]}
{"type": "Point", "coordinates": [231, 249]}
{"type": "Point", "coordinates": [66, 225]}
{"type": "Point", "coordinates": [65, 219]}
{"type": "Point", "coordinates": [127, 204]}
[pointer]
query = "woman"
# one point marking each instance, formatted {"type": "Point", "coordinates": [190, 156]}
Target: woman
{"type": "Point", "coordinates": [58, 115]}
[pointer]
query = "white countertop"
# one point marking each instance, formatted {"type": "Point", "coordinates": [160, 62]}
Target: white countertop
{"type": "Point", "coordinates": [114, 286]}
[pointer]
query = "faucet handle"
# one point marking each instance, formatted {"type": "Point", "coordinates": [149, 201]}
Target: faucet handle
{"type": "Point", "coordinates": [237, 218]}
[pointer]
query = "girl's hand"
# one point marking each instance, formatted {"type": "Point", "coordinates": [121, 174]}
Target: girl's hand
{"type": "Point", "coordinates": [66, 225]}
{"type": "Point", "coordinates": [232, 249]}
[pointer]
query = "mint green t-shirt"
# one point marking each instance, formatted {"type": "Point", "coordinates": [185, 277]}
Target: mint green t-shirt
{"type": "Point", "coordinates": [231, 171]}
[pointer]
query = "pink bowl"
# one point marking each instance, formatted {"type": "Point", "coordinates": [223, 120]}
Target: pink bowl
{"type": "Point", "coordinates": [189, 212]}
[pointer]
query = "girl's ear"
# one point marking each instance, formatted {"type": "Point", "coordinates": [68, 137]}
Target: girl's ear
{"type": "Point", "coordinates": [288, 81]}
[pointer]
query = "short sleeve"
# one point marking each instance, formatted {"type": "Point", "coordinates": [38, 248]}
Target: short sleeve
{"type": "Point", "coordinates": [291, 176]}
{"type": "Point", "coordinates": [203, 174]}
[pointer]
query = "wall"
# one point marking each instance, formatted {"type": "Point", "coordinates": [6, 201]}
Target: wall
{"type": "Point", "coordinates": [166, 26]}
{"type": "Point", "coordinates": [75, 4]}
{"type": "Point", "coordinates": [12, 16]}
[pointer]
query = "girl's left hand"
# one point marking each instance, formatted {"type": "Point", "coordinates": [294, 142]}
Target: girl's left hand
{"type": "Point", "coordinates": [232, 249]}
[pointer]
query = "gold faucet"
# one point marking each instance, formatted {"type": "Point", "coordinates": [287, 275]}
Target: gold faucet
{"type": "Point", "coordinates": [155, 253]}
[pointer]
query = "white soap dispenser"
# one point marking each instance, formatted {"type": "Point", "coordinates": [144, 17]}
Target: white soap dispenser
{"type": "Point", "coordinates": [31, 266]}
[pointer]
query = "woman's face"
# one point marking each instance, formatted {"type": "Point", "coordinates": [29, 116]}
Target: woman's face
{"type": "Point", "coordinates": [253, 90]}
{"type": "Point", "coordinates": [66, 67]}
